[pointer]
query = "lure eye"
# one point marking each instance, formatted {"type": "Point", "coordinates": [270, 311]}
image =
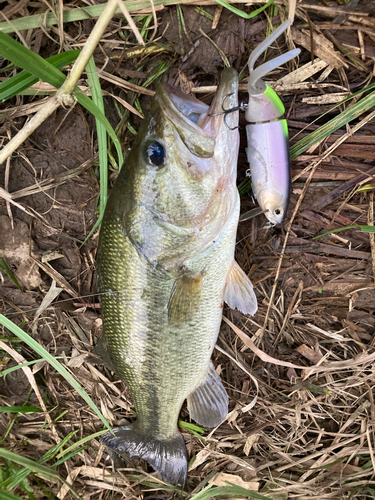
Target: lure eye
{"type": "Point", "coordinates": [156, 153]}
{"type": "Point", "coordinates": [278, 211]}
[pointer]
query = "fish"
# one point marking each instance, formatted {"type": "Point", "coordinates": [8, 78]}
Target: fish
{"type": "Point", "coordinates": [165, 267]}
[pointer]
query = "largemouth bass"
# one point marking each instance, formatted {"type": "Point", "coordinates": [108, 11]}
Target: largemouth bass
{"type": "Point", "coordinates": [165, 266]}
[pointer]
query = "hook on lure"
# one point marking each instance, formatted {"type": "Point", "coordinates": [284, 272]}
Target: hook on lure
{"type": "Point", "coordinates": [241, 107]}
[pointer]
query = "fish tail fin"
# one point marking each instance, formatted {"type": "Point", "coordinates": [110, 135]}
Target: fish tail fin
{"type": "Point", "coordinates": [167, 456]}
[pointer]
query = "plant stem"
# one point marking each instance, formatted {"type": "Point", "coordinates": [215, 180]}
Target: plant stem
{"type": "Point", "coordinates": [68, 85]}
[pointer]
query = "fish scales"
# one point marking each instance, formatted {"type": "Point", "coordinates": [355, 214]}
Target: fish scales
{"type": "Point", "coordinates": [165, 257]}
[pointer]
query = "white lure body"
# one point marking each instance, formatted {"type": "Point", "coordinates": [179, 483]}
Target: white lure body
{"type": "Point", "coordinates": [268, 155]}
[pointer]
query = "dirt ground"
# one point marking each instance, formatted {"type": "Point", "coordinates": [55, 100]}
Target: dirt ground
{"type": "Point", "coordinates": [308, 436]}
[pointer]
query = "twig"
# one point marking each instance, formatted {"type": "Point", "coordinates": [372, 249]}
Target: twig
{"type": "Point", "coordinates": [370, 221]}
{"type": "Point", "coordinates": [6, 185]}
{"type": "Point", "coordinates": [132, 25]}
{"type": "Point", "coordinates": [336, 144]}
{"type": "Point", "coordinates": [302, 195]}
{"type": "Point", "coordinates": [62, 96]}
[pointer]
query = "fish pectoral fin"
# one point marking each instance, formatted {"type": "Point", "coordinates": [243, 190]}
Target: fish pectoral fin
{"type": "Point", "coordinates": [239, 291]}
{"type": "Point", "coordinates": [167, 456]}
{"type": "Point", "coordinates": [185, 298]}
{"type": "Point", "coordinates": [208, 404]}
{"type": "Point", "coordinates": [99, 355]}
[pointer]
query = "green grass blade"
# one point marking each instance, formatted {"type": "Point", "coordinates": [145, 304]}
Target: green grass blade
{"type": "Point", "coordinates": [240, 12]}
{"type": "Point", "coordinates": [191, 427]}
{"type": "Point", "coordinates": [23, 80]}
{"type": "Point", "coordinates": [244, 186]}
{"type": "Point", "coordinates": [5, 495]}
{"type": "Point", "coordinates": [36, 467]}
{"type": "Point", "coordinates": [42, 69]}
{"type": "Point", "coordinates": [19, 476]}
{"type": "Point", "coordinates": [52, 452]}
{"type": "Point", "coordinates": [4, 373]}
{"type": "Point", "coordinates": [17, 479]}
{"type": "Point", "coordinates": [86, 102]}
{"type": "Point", "coordinates": [69, 456]}
{"type": "Point", "coordinates": [7, 270]}
{"type": "Point", "coordinates": [19, 409]}
{"type": "Point", "coordinates": [339, 121]}
{"type": "Point", "coordinates": [53, 361]}
{"type": "Point", "coordinates": [233, 491]}
{"type": "Point", "coordinates": [73, 15]}
{"type": "Point", "coordinates": [366, 187]}
{"type": "Point", "coordinates": [364, 229]}
{"type": "Point", "coordinates": [80, 442]}
{"type": "Point", "coordinates": [26, 59]}
{"type": "Point", "coordinates": [96, 225]}
{"type": "Point", "coordinates": [97, 97]}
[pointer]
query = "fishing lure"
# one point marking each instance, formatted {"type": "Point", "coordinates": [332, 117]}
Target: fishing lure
{"type": "Point", "coordinates": [267, 134]}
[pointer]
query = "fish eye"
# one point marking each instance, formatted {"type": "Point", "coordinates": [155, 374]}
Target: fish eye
{"type": "Point", "coordinates": [156, 153]}
{"type": "Point", "coordinates": [278, 211]}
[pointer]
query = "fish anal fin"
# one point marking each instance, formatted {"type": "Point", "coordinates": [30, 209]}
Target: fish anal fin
{"type": "Point", "coordinates": [239, 291]}
{"type": "Point", "coordinates": [185, 298]}
{"type": "Point", "coordinates": [208, 404]}
{"type": "Point", "coordinates": [99, 355]}
{"type": "Point", "coordinates": [167, 456]}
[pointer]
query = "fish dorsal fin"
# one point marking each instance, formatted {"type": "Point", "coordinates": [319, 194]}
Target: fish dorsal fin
{"type": "Point", "coordinates": [208, 404]}
{"type": "Point", "coordinates": [185, 298]}
{"type": "Point", "coordinates": [239, 291]}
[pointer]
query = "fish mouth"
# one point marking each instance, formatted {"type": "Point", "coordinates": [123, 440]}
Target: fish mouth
{"type": "Point", "coordinates": [197, 111]}
{"type": "Point", "coordinates": [226, 95]}
{"type": "Point", "coordinates": [187, 105]}
{"type": "Point", "coordinates": [198, 124]}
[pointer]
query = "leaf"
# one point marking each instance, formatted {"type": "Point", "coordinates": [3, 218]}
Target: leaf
{"type": "Point", "coordinates": [9, 496]}
{"type": "Point", "coordinates": [26, 59]}
{"type": "Point", "coordinates": [36, 467]}
{"type": "Point", "coordinates": [191, 427]}
{"type": "Point", "coordinates": [241, 13]}
{"type": "Point", "coordinates": [7, 270]}
{"type": "Point", "coordinates": [23, 80]}
{"type": "Point", "coordinates": [53, 361]}
{"type": "Point", "coordinates": [3, 373]}
{"type": "Point", "coordinates": [20, 409]}
{"type": "Point", "coordinates": [44, 70]}
{"type": "Point", "coordinates": [339, 121]}
{"type": "Point", "coordinates": [96, 93]}
{"type": "Point", "coordinates": [80, 442]}
{"type": "Point", "coordinates": [364, 229]}
{"type": "Point", "coordinates": [231, 490]}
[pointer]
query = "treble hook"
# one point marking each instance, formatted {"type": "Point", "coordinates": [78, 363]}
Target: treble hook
{"type": "Point", "coordinates": [226, 111]}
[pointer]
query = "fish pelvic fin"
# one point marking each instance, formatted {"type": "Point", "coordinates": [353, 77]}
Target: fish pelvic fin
{"type": "Point", "coordinates": [239, 291]}
{"type": "Point", "coordinates": [185, 298]}
{"type": "Point", "coordinates": [208, 404]}
{"type": "Point", "coordinates": [167, 456]}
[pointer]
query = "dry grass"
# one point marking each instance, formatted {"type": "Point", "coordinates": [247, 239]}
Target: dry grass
{"type": "Point", "coordinates": [291, 433]}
